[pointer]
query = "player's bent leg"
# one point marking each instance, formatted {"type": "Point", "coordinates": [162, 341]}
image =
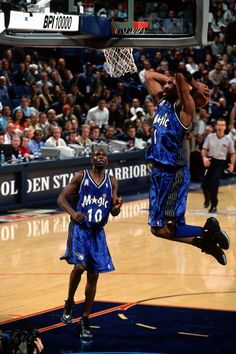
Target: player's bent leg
{"type": "Point", "coordinates": [213, 232]}
{"type": "Point", "coordinates": [210, 247]}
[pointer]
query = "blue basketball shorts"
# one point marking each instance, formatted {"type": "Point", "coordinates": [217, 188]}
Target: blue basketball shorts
{"type": "Point", "coordinates": [88, 247]}
{"type": "Point", "coordinates": [168, 196]}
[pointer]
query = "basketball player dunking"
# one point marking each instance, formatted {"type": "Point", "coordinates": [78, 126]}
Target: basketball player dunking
{"type": "Point", "coordinates": [170, 177]}
{"type": "Point", "coordinates": [95, 196]}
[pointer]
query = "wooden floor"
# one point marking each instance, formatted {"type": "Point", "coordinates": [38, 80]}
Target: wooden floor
{"type": "Point", "coordinates": [148, 269]}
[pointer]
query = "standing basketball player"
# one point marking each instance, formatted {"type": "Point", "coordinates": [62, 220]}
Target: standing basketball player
{"type": "Point", "coordinates": [170, 177]}
{"type": "Point", "coordinates": [95, 196]}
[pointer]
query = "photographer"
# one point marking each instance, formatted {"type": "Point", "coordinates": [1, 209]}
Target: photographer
{"type": "Point", "coordinates": [21, 342]}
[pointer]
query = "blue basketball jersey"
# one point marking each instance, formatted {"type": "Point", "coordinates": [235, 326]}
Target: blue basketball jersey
{"type": "Point", "coordinates": [95, 200]}
{"type": "Point", "coordinates": [167, 137]}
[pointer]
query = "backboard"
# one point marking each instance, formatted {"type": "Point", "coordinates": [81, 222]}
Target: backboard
{"type": "Point", "coordinates": [60, 23]}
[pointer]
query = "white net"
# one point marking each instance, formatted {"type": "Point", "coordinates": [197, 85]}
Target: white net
{"type": "Point", "coordinates": [120, 61]}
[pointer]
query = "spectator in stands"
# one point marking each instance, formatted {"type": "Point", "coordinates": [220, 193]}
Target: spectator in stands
{"type": "Point", "coordinates": [34, 119]}
{"type": "Point", "coordinates": [2, 138]}
{"type": "Point", "coordinates": [146, 66]}
{"type": "Point", "coordinates": [24, 106]}
{"type": "Point", "coordinates": [19, 120]}
{"type": "Point", "coordinates": [217, 47]}
{"type": "Point", "coordinates": [15, 142]}
{"type": "Point", "coordinates": [56, 140]}
{"type": "Point", "coordinates": [44, 125]}
{"type": "Point", "coordinates": [66, 130]}
{"type": "Point", "coordinates": [150, 111]}
{"type": "Point", "coordinates": [99, 113]}
{"type": "Point", "coordinates": [95, 134]}
{"type": "Point", "coordinates": [146, 131]}
{"type": "Point", "coordinates": [134, 106]}
{"type": "Point", "coordinates": [36, 143]}
{"type": "Point", "coordinates": [115, 115]}
{"type": "Point", "coordinates": [72, 137]}
{"type": "Point", "coordinates": [83, 138]}
{"type": "Point", "coordinates": [4, 95]}
{"type": "Point", "coordinates": [129, 136]}
{"type": "Point", "coordinates": [65, 115]}
{"type": "Point", "coordinates": [28, 132]}
{"type": "Point", "coordinates": [109, 134]}
{"type": "Point", "coordinates": [191, 66]}
{"type": "Point", "coordinates": [5, 118]}
{"type": "Point", "coordinates": [23, 148]}
{"type": "Point", "coordinates": [51, 116]}
{"type": "Point", "coordinates": [45, 97]}
{"type": "Point", "coordinates": [44, 80]}
{"type": "Point", "coordinates": [10, 131]}
{"type": "Point", "coordinates": [217, 75]}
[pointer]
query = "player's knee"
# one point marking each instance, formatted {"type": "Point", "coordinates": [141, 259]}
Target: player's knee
{"type": "Point", "coordinates": [163, 232]}
{"type": "Point", "coordinates": [79, 268]}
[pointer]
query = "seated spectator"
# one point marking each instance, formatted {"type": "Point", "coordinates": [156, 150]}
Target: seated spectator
{"type": "Point", "coordinates": [83, 138]}
{"type": "Point", "coordinates": [28, 132]}
{"type": "Point", "coordinates": [44, 125]}
{"type": "Point", "coordinates": [65, 115]}
{"type": "Point", "coordinates": [15, 142]}
{"type": "Point", "coordinates": [146, 131]}
{"type": "Point", "coordinates": [116, 117]}
{"type": "Point", "coordinates": [51, 116]}
{"type": "Point", "coordinates": [95, 134]}
{"type": "Point", "coordinates": [109, 134]}
{"type": "Point", "coordinates": [56, 139]}
{"type": "Point", "coordinates": [45, 97]}
{"type": "Point", "coordinates": [10, 131]}
{"type": "Point", "coordinates": [23, 148]}
{"type": "Point", "coordinates": [4, 95]}
{"type": "Point", "coordinates": [34, 119]}
{"type": "Point", "coordinates": [129, 136]}
{"type": "Point", "coordinates": [2, 138]}
{"type": "Point", "coordinates": [72, 137]}
{"type": "Point", "coordinates": [44, 80]}
{"type": "Point", "coordinates": [5, 118]}
{"type": "Point", "coordinates": [66, 129]}
{"type": "Point", "coordinates": [24, 106]}
{"type": "Point", "coordinates": [36, 143]}
{"type": "Point", "coordinates": [19, 120]}
{"type": "Point", "coordinates": [135, 106]}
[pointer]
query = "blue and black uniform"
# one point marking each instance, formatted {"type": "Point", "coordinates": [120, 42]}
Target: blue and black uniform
{"type": "Point", "coordinates": [170, 177]}
{"type": "Point", "coordinates": [86, 242]}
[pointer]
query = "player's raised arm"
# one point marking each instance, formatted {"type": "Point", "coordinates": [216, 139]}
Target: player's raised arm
{"type": "Point", "coordinates": [155, 82]}
{"type": "Point", "coordinates": [186, 102]}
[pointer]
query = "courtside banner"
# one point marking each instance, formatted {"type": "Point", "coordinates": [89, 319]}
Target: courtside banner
{"type": "Point", "coordinates": [41, 182]}
{"type": "Point", "coordinates": [45, 22]}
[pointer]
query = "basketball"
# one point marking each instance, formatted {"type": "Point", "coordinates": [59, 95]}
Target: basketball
{"type": "Point", "coordinates": [201, 97]}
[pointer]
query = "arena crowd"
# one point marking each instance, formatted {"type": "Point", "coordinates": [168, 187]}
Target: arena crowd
{"type": "Point", "coordinates": [57, 97]}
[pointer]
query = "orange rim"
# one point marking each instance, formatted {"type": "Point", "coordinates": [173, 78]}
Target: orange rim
{"type": "Point", "coordinates": [140, 24]}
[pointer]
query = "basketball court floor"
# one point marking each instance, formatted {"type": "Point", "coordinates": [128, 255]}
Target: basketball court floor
{"type": "Point", "coordinates": [163, 297]}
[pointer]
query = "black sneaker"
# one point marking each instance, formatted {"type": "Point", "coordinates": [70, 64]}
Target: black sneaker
{"type": "Point", "coordinates": [206, 204]}
{"type": "Point", "coordinates": [212, 210]}
{"type": "Point", "coordinates": [84, 329]}
{"type": "Point", "coordinates": [215, 233]}
{"type": "Point", "coordinates": [67, 312]}
{"type": "Point", "coordinates": [209, 247]}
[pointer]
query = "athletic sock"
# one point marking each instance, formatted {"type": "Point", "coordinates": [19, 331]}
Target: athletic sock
{"type": "Point", "coordinates": [184, 231]}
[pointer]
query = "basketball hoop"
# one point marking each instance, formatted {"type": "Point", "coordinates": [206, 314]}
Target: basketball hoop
{"type": "Point", "coordinates": [120, 61]}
